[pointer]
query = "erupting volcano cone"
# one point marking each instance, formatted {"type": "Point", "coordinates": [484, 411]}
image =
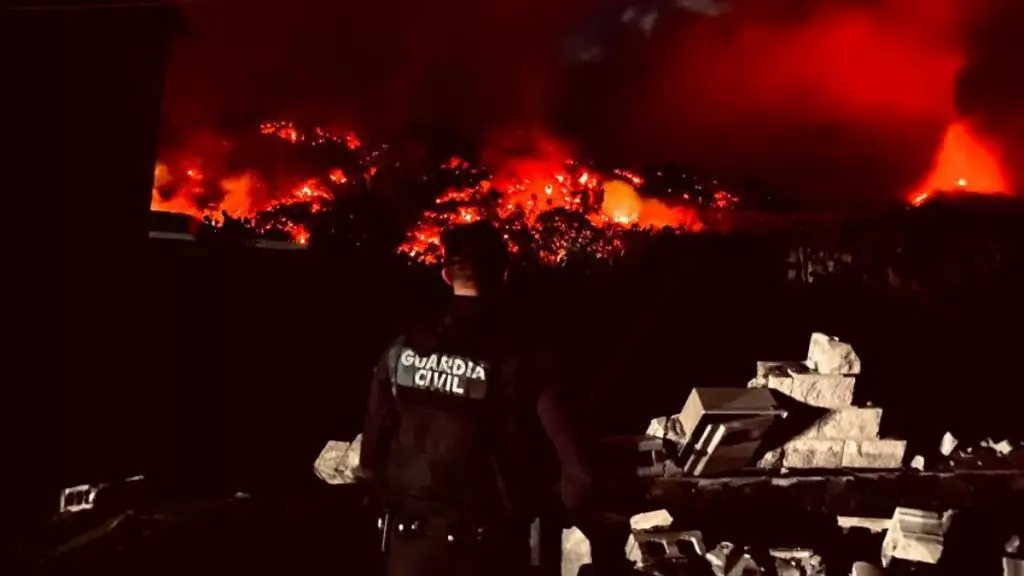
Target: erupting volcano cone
{"type": "Point", "coordinates": [963, 164]}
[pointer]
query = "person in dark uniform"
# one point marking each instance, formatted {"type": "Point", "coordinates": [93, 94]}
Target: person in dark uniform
{"type": "Point", "coordinates": [448, 442]}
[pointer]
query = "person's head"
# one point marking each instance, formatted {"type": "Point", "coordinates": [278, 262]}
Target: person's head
{"type": "Point", "coordinates": [475, 258]}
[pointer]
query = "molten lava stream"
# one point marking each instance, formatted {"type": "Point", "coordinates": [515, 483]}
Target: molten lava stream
{"type": "Point", "coordinates": [963, 164]}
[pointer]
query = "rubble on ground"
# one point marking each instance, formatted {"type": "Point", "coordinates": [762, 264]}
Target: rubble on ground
{"type": "Point", "coordinates": [915, 536]}
{"type": "Point", "coordinates": [338, 461]}
{"type": "Point", "coordinates": [575, 551]}
{"type": "Point", "coordinates": [667, 428]}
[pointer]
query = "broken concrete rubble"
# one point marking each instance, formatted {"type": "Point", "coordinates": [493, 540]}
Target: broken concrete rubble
{"type": "Point", "coordinates": [822, 390]}
{"type": "Point", "coordinates": [667, 428]}
{"type": "Point", "coordinates": [651, 520]}
{"type": "Point", "coordinates": [915, 536]}
{"type": "Point", "coordinates": [727, 560]}
{"type": "Point", "coordinates": [338, 461]}
{"type": "Point", "coordinates": [847, 423]}
{"type": "Point", "coordinates": [866, 569]}
{"type": "Point", "coordinates": [645, 548]}
{"type": "Point", "coordinates": [917, 463]}
{"type": "Point", "coordinates": [797, 561]}
{"type": "Point", "coordinates": [803, 454]}
{"type": "Point", "coordinates": [874, 453]}
{"type": "Point", "coordinates": [576, 551]}
{"type": "Point", "coordinates": [829, 355]}
{"type": "Point", "coordinates": [948, 444]}
{"type": "Point", "coordinates": [1003, 447]}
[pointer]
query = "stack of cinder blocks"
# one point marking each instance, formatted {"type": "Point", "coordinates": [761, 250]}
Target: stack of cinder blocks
{"type": "Point", "coordinates": [847, 437]}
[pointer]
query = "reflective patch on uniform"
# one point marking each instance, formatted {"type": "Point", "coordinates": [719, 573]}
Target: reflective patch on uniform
{"type": "Point", "coordinates": [442, 373]}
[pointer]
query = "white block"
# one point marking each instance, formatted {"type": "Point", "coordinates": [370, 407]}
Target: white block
{"type": "Point", "coordinates": [338, 461]}
{"type": "Point", "coordinates": [829, 355]}
{"type": "Point", "coordinates": [821, 390]}
{"type": "Point", "coordinates": [874, 453]}
{"type": "Point", "coordinates": [813, 454]}
{"type": "Point", "coordinates": [771, 460]}
{"type": "Point", "coordinates": [575, 551]}
{"type": "Point", "coordinates": [847, 424]}
{"type": "Point", "coordinates": [667, 428]}
{"type": "Point", "coordinates": [651, 520]}
{"type": "Point", "coordinates": [948, 444]}
{"type": "Point", "coordinates": [915, 536]}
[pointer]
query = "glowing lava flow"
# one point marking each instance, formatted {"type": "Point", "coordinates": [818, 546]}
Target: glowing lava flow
{"type": "Point", "coordinates": [964, 164]}
{"type": "Point", "coordinates": [552, 207]}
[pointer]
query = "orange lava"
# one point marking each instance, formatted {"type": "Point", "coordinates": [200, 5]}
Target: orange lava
{"type": "Point", "coordinates": [539, 198]}
{"type": "Point", "coordinates": [963, 164]}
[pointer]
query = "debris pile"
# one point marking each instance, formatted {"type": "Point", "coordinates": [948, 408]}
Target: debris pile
{"type": "Point", "coordinates": [915, 536]}
{"type": "Point", "coordinates": [338, 461]}
{"type": "Point", "coordinates": [847, 436]}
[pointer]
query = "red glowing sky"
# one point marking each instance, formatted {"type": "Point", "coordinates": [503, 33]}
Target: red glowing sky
{"type": "Point", "coordinates": [831, 98]}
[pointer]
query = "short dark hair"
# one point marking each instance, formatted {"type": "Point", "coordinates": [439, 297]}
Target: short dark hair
{"type": "Point", "coordinates": [475, 252]}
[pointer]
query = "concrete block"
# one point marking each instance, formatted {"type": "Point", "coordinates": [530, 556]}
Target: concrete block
{"type": "Point", "coordinates": [644, 548]}
{"type": "Point", "coordinates": [948, 444]}
{"type": "Point", "coordinates": [575, 551]}
{"type": "Point", "coordinates": [822, 390]}
{"type": "Point", "coordinates": [847, 424]}
{"type": "Point", "coordinates": [1013, 567]}
{"type": "Point", "coordinates": [829, 355]}
{"type": "Point", "coordinates": [338, 461]}
{"type": "Point", "coordinates": [915, 536]}
{"type": "Point", "coordinates": [667, 428]}
{"type": "Point", "coordinates": [866, 569]}
{"type": "Point", "coordinates": [813, 454]}
{"type": "Point", "coordinates": [651, 520]}
{"type": "Point", "coordinates": [772, 460]}
{"type": "Point", "coordinates": [874, 453]}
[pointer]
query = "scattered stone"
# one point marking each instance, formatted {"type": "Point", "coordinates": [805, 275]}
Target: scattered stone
{"type": "Point", "coordinates": [727, 560]}
{"type": "Point", "coordinates": [873, 524]}
{"type": "Point", "coordinates": [771, 460]}
{"type": "Point", "coordinates": [948, 444]}
{"type": "Point", "coordinates": [644, 548]}
{"type": "Point", "coordinates": [813, 454]}
{"type": "Point", "coordinates": [667, 428]}
{"type": "Point", "coordinates": [798, 561]}
{"type": "Point", "coordinates": [651, 520]}
{"type": "Point", "coordinates": [822, 390]}
{"type": "Point", "coordinates": [915, 536]}
{"type": "Point", "coordinates": [847, 424]}
{"type": "Point", "coordinates": [575, 551]}
{"type": "Point", "coordinates": [78, 498]}
{"type": "Point", "coordinates": [917, 463]}
{"type": "Point", "coordinates": [829, 355]}
{"type": "Point", "coordinates": [874, 453]}
{"type": "Point", "coordinates": [1013, 545]}
{"type": "Point", "coordinates": [338, 461]}
{"type": "Point", "coordinates": [866, 569]}
{"type": "Point", "coordinates": [1002, 447]}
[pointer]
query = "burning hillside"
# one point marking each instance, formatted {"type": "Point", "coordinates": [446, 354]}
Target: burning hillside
{"type": "Point", "coordinates": [546, 203]}
{"type": "Point", "coordinates": [549, 206]}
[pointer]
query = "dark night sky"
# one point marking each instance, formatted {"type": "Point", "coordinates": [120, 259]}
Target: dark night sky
{"type": "Point", "coordinates": [826, 99]}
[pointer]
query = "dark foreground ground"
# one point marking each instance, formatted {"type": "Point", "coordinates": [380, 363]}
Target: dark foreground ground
{"type": "Point", "coordinates": [226, 369]}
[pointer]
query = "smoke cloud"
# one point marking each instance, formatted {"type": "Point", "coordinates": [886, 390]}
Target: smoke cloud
{"type": "Point", "coordinates": [831, 101]}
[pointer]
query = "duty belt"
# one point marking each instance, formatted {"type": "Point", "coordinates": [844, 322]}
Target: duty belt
{"type": "Point", "coordinates": [454, 532]}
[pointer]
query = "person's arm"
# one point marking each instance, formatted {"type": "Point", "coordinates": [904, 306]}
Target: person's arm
{"type": "Point", "coordinates": [576, 475]}
{"type": "Point", "coordinates": [380, 414]}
